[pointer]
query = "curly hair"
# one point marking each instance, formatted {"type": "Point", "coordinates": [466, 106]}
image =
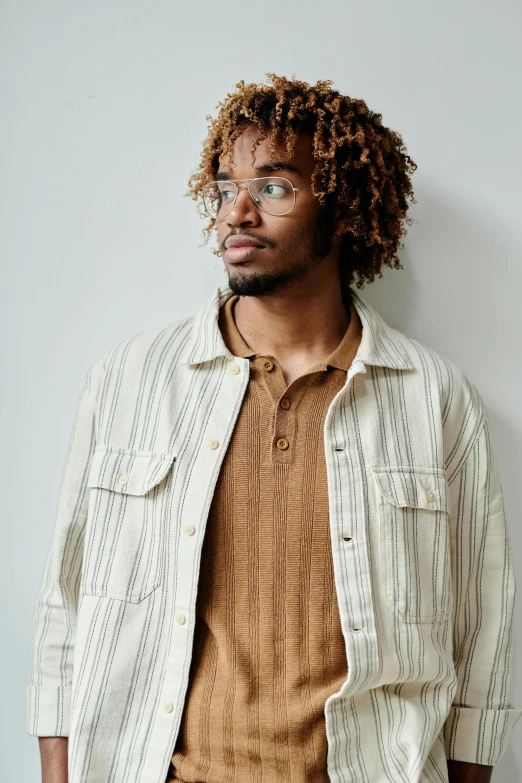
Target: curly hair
{"type": "Point", "coordinates": [358, 162]}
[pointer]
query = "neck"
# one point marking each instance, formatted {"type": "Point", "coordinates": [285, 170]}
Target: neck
{"type": "Point", "coordinates": [300, 324]}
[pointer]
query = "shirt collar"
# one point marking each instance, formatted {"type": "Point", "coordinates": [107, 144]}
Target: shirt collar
{"type": "Point", "coordinates": [380, 344]}
{"type": "Point", "coordinates": [341, 357]}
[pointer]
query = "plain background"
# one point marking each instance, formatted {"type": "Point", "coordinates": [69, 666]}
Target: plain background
{"type": "Point", "coordinates": [104, 110]}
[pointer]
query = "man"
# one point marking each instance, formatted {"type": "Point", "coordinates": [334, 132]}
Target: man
{"type": "Point", "coordinates": [280, 552]}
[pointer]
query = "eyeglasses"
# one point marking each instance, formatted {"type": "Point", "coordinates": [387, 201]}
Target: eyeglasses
{"type": "Point", "coordinates": [275, 195]}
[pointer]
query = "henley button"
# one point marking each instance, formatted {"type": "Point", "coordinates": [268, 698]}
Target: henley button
{"type": "Point", "coordinates": [268, 365]}
{"type": "Point", "coordinates": [285, 403]}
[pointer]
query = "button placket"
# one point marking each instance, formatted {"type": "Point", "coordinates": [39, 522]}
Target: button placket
{"type": "Point", "coordinates": [270, 375]}
{"type": "Point", "coordinates": [286, 399]}
{"type": "Point", "coordinates": [284, 431]}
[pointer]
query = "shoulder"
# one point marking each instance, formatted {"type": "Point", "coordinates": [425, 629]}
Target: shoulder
{"type": "Point", "coordinates": [457, 390]}
{"type": "Point", "coordinates": [149, 350]}
{"type": "Point", "coordinates": [462, 408]}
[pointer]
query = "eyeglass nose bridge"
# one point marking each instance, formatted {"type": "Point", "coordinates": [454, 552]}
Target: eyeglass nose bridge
{"type": "Point", "coordinates": [247, 186]}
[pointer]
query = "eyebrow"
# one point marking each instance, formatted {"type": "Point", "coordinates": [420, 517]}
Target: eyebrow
{"type": "Point", "coordinates": [266, 168]}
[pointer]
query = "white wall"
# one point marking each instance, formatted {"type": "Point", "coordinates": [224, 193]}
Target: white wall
{"type": "Point", "coordinates": [103, 111]}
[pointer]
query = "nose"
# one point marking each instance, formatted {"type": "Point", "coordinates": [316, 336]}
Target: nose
{"type": "Point", "coordinates": [244, 210]}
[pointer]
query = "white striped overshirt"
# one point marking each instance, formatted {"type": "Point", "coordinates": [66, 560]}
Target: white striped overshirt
{"type": "Point", "coordinates": [423, 564]}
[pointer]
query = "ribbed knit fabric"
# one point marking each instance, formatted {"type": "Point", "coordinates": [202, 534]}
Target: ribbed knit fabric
{"type": "Point", "coordinates": [268, 644]}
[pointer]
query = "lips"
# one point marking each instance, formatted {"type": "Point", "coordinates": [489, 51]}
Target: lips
{"type": "Point", "coordinates": [241, 247]}
{"type": "Point", "coordinates": [235, 255]}
{"type": "Point", "coordinates": [242, 240]}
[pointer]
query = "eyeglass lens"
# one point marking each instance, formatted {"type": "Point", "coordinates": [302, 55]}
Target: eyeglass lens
{"type": "Point", "coordinates": [274, 195]}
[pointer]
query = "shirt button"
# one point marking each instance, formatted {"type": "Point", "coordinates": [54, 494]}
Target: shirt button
{"type": "Point", "coordinates": [213, 444]}
{"type": "Point", "coordinates": [180, 618]}
{"type": "Point", "coordinates": [268, 365]}
{"type": "Point", "coordinates": [123, 479]}
{"type": "Point", "coordinates": [282, 443]}
{"type": "Point", "coordinates": [285, 403]}
{"type": "Point", "coordinates": [430, 495]}
{"type": "Point", "coordinates": [189, 530]}
{"type": "Point", "coordinates": [233, 368]}
{"type": "Point", "coordinates": [168, 706]}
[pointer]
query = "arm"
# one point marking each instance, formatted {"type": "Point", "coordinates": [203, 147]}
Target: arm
{"type": "Point", "coordinates": [462, 772]}
{"type": "Point", "coordinates": [53, 754]}
{"type": "Point", "coordinates": [481, 718]}
{"type": "Point", "coordinates": [54, 625]}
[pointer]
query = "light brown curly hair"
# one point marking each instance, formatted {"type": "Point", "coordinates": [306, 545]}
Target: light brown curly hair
{"type": "Point", "coordinates": [358, 162]}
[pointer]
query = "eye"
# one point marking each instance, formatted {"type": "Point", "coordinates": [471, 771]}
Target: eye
{"type": "Point", "coordinates": [225, 192]}
{"type": "Point", "coordinates": [275, 191]}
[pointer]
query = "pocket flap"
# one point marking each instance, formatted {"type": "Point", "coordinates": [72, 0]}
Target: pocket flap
{"type": "Point", "coordinates": [405, 485]}
{"type": "Point", "coordinates": [128, 471]}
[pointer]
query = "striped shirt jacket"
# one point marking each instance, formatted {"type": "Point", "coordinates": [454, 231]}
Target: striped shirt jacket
{"type": "Point", "coordinates": [423, 563]}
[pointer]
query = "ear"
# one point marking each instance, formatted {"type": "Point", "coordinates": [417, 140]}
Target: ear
{"type": "Point", "coordinates": [342, 219]}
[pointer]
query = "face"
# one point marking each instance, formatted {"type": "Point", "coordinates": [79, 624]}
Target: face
{"type": "Point", "coordinates": [292, 244]}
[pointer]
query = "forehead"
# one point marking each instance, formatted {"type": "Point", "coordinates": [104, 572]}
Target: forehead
{"type": "Point", "coordinates": [239, 155]}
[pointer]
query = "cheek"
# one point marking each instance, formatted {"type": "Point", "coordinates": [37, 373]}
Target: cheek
{"type": "Point", "coordinates": [288, 231]}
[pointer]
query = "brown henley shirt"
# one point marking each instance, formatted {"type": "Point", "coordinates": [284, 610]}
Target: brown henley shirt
{"type": "Point", "coordinates": [268, 646]}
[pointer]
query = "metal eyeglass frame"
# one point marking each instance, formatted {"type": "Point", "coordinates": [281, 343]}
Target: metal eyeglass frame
{"type": "Point", "coordinates": [235, 181]}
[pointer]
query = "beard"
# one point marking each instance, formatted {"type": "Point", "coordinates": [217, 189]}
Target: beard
{"type": "Point", "coordinates": [313, 245]}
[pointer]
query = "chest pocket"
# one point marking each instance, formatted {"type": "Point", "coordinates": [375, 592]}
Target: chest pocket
{"type": "Point", "coordinates": [123, 553]}
{"type": "Point", "coordinates": [414, 542]}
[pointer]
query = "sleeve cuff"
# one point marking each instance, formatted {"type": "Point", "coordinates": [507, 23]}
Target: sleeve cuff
{"type": "Point", "coordinates": [478, 736]}
{"type": "Point", "coordinates": [48, 709]}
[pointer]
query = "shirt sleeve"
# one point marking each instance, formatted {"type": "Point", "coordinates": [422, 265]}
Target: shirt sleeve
{"type": "Point", "coordinates": [481, 718]}
{"type": "Point", "coordinates": [54, 625]}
